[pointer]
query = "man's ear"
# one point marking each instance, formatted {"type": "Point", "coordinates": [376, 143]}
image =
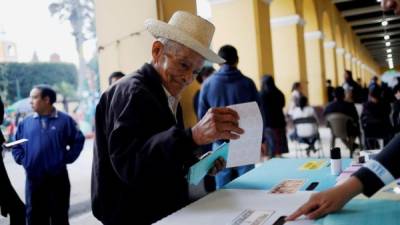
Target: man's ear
{"type": "Point", "coordinates": [156, 51]}
{"type": "Point", "coordinates": [47, 100]}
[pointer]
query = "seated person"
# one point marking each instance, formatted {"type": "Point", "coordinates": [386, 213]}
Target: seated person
{"type": "Point", "coordinates": [375, 119]}
{"type": "Point", "coordinates": [339, 105]}
{"type": "Point", "coordinates": [302, 110]}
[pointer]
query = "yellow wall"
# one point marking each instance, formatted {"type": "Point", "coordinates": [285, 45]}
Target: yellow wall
{"type": "Point", "coordinates": [115, 22]}
{"type": "Point", "coordinates": [125, 45]}
{"type": "Point", "coordinates": [247, 35]}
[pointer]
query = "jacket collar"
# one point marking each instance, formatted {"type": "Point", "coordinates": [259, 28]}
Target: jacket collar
{"type": "Point", "coordinates": [149, 75]}
{"type": "Point", "coordinates": [53, 114]}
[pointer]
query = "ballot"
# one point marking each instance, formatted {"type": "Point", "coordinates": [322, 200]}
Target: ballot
{"type": "Point", "coordinates": [247, 149]}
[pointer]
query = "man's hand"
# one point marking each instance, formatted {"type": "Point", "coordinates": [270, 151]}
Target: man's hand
{"type": "Point", "coordinates": [329, 201]}
{"type": "Point", "coordinates": [219, 165]}
{"type": "Point", "coordinates": [217, 124]}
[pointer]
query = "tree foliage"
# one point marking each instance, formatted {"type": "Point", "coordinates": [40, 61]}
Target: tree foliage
{"type": "Point", "coordinates": [21, 77]}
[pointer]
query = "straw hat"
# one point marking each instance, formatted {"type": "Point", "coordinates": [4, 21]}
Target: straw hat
{"type": "Point", "coordinates": [192, 31]}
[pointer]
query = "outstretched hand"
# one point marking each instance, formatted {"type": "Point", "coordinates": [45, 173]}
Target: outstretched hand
{"type": "Point", "coordinates": [329, 201]}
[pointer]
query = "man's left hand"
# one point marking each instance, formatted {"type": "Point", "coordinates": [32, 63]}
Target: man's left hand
{"type": "Point", "coordinates": [219, 165]}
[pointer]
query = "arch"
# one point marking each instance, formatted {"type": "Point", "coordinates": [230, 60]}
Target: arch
{"type": "Point", "coordinates": [338, 36]}
{"type": "Point", "coordinates": [327, 26]}
{"type": "Point", "coordinates": [310, 16]}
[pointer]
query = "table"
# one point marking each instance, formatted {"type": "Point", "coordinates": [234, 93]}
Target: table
{"type": "Point", "coordinates": [274, 171]}
{"type": "Point", "coordinates": [250, 191]}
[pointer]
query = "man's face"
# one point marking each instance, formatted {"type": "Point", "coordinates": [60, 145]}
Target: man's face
{"type": "Point", "coordinates": [178, 68]}
{"type": "Point", "coordinates": [391, 5]}
{"type": "Point", "coordinates": [38, 103]}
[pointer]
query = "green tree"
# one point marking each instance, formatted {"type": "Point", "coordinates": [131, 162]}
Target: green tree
{"type": "Point", "coordinates": [21, 77]}
{"type": "Point", "coordinates": [67, 91]}
{"type": "Point", "coordinates": [80, 14]}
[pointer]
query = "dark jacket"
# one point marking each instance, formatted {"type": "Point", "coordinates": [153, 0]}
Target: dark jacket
{"type": "Point", "coordinates": [10, 203]}
{"type": "Point", "coordinates": [375, 120]}
{"type": "Point", "coordinates": [272, 103]}
{"type": "Point", "coordinates": [141, 153]}
{"type": "Point", "coordinates": [46, 151]}
{"type": "Point", "coordinates": [341, 106]}
{"type": "Point", "coordinates": [389, 158]}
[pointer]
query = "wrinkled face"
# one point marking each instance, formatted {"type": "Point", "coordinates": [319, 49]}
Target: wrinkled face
{"type": "Point", "coordinates": [391, 5]}
{"type": "Point", "coordinates": [177, 65]}
{"type": "Point", "coordinates": [38, 103]}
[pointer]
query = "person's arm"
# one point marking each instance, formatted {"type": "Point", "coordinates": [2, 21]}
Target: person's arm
{"type": "Point", "coordinates": [76, 141]}
{"type": "Point", "coordinates": [375, 174]}
{"type": "Point", "coordinates": [381, 170]}
{"type": "Point", "coordinates": [136, 151]}
{"type": "Point", "coordinates": [18, 151]}
{"type": "Point", "coordinates": [329, 201]}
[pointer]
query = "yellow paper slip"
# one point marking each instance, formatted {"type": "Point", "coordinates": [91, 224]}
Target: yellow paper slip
{"type": "Point", "coordinates": [313, 165]}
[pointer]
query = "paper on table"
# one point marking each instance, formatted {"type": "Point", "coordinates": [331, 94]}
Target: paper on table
{"type": "Point", "coordinates": [246, 149]}
{"type": "Point", "coordinates": [199, 170]}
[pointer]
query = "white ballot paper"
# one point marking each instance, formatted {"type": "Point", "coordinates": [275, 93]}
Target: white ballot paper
{"type": "Point", "coordinates": [247, 149]}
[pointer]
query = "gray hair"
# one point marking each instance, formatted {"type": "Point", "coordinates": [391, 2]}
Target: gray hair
{"type": "Point", "coordinates": [171, 46]}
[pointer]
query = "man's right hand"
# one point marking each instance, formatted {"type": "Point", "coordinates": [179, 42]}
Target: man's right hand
{"type": "Point", "coordinates": [217, 124]}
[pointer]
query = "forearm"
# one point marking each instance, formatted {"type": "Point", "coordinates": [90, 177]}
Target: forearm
{"type": "Point", "coordinates": [382, 170]}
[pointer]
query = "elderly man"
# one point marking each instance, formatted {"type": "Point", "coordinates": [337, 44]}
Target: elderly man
{"type": "Point", "coordinates": [377, 173]}
{"type": "Point", "coordinates": [142, 150]}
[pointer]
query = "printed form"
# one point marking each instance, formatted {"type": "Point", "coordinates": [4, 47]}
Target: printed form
{"type": "Point", "coordinates": [247, 149]}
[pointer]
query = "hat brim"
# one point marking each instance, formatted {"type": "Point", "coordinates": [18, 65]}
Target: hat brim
{"type": "Point", "coordinates": [161, 29]}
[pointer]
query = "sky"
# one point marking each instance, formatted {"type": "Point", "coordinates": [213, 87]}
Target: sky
{"type": "Point", "coordinates": [28, 23]}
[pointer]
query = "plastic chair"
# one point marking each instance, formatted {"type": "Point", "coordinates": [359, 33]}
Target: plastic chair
{"type": "Point", "coordinates": [307, 128]}
{"type": "Point", "coordinates": [338, 124]}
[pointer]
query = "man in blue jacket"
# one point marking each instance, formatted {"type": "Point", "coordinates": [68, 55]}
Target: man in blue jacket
{"type": "Point", "coordinates": [227, 86]}
{"type": "Point", "coordinates": [54, 140]}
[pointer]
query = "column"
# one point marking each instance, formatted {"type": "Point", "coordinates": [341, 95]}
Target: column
{"type": "Point", "coordinates": [340, 60]}
{"type": "Point", "coordinates": [250, 35]}
{"type": "Point", "coordinates": [330, 62]}
{"type": "Point", "coordinates": [315, 67]}
{"type": "Point", "coordinates": [289, 52]}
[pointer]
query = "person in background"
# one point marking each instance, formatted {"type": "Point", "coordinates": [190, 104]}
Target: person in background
{"type": "Point", "coordinates": [395, 115]}
{"type": "Point", "coordinates": [375, 174]}
{"type": "Point", "coordinates": [115, 76]}
{"type": "Point", "coordinates": [10, 203]}
{"type": "Point", "coordinates": [375, 119]}
{"type": "Point", "coordinates": [350, 85]}
{"type": "Point", "coordinates": [142, 151]}
{"type": "Point", "coordinates": [54, 140]}
{"type": "Point", "coordinates": [295, 96]}
{"type": "Point", "coordinates": [204, 73]}
{"type": "Point", "coordinates": [303, 110]}
{"type": "Point", "coordinates": [330, 90]}
{"type": "Point", "coordinates": [373, 82]}
{"type": "Point", "coordinates": [339, 105]}
{"type": "Point", "coordinates": [225, 87]}
{"type": "Point", "coordinates": [272, 103]}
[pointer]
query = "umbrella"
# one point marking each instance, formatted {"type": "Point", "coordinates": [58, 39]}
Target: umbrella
{"type": "Point", "coordinates": [21, 106]}
{"type": "Point", "coordinates": [390, 77]}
